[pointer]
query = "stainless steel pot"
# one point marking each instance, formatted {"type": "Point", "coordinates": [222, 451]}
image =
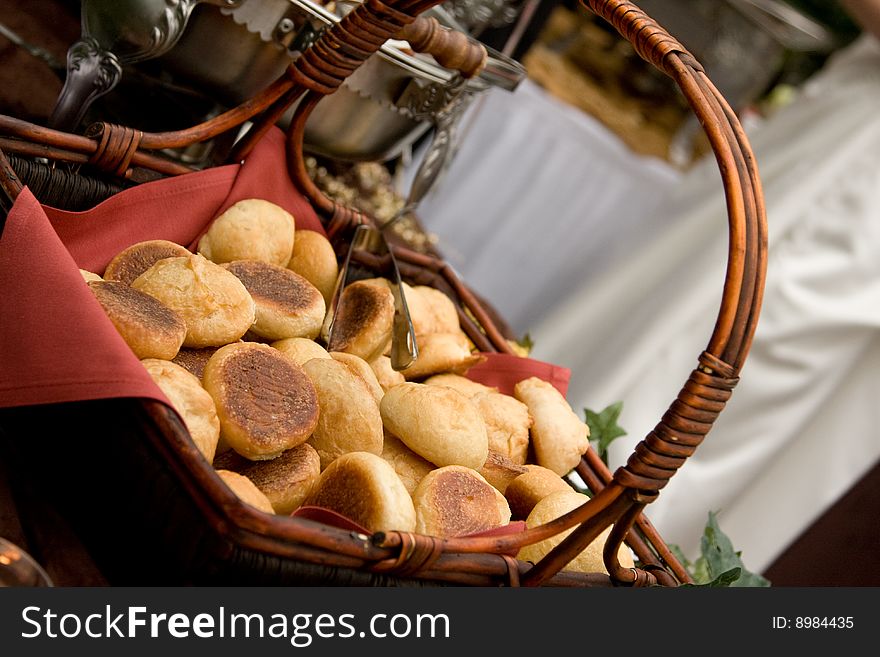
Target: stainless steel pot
{"type": "Point", "coordinates": [388, 103]}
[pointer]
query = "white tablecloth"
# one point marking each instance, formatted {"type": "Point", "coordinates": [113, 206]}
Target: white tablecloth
{"type": "Point", "coordinates": [615, 264]}
{"type": "Point", "coordinates": [539, 199]}
{"type": "Point", "coordinates": [802, 425]}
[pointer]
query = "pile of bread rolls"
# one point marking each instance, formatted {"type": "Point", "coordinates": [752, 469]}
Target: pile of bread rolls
{"type": "Point", "coordinates": [229, 334]}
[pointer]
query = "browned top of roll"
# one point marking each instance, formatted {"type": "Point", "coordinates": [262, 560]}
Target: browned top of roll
{"type": "Point", "coordinates": [274, 474]}
{"type": "Point", "coordinates": [363, 306]}
{"type": "Point", "coordinates": [138, 310]}
{"type": "Point", "coordinates": [130, 263]}
{"type": "Point", "coordinates": [262, 393]}
{"type": "Point", "coordinates": [269, 284]}
{"type": "Point", "coordinates": [194, 361]}
{"type": "Point", "coordinates": [456, 503]}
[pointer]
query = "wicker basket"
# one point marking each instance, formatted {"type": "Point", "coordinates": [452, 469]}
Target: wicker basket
{"type": "Point", "coordinates": [173, 521]}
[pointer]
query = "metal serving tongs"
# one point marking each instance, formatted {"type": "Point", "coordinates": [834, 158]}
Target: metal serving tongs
{"type": "Point", "coordinates": [371, 240]}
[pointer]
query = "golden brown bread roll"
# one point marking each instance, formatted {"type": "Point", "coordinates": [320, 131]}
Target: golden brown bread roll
{"type": "Point", "coordinates": [364, 488]}
{"type": "Point", "coordinates": [500, 471]}
{"type": "Point", "coordinates": [442, 352]}
{"type": "Point", "coordinates": [362, 325]}
{"type": "Point", "coordinates": [439, 424]}
{"type": "Point", "coordinates": [559, 437]}
{"type": "Point", "coordinates": [130, 263]}
{"type": "Point", "coordinates": [192, 402]}
{"type": "Point", "coordinates": [245, 490]}
{"type": "Point", "coordinates": [361, 368]}
{"type": "Point", "coordinates": [300, 350]}
{"type": "Point", "coordinates": [349, 418]}
{"type": "Point", "coordinates": [420, 312]}
{"type": "Point", "coordinates": [455, 501]}
{"type": "Point", "coordinates": [265, 403]}
{"type": "Point", "coordinates": [409, 466]}
{"type": "Point", "coordinates": [441, 309]}
{"type": "Point", "coordinates": [461, 383]}
{"type": "Point", "coordinates": [386, 375]}
{"type": "Point", "coordinates": [507, 423]}
{"type": "Point", "coordinates": [313, 258]}
{"type": "Point", "coordinates": [148, 326]}
{"type": "Point", "coordinates": [526, 490]}
{"type": "Point", "coordinates": [214, 304]}
{"type": "Point", "coordinates": [285, 480]}
{"type": "Point", "coordinates": [287, 305]}
{"type": "Point", "coordinates": [89, 277]}
{"type": "Point", "coordinates": [194, 360]}
{"type": "Point", "coordinates": [590, 560]}
{"type": "Point", "coordinates": [252, 229]}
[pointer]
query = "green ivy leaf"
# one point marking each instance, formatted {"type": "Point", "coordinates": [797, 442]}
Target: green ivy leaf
{"type": "Point", "coordinates": [526, 342]}
{"type": "Point", "coordinates": [726, 578]}
{"type": "Point", "coordinates": [720, 558]}
{"type": "Point", "coordinates": [604, 428]}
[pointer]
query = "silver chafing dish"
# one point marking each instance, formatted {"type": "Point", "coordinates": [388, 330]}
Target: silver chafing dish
{"type": "Point", "coordinates": [230, 50]}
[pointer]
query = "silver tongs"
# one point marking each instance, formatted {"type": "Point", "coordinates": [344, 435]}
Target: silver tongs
{"type": "Point", "coordinates": [369, 246]}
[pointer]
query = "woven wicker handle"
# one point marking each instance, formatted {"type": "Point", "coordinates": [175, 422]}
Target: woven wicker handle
{"type": "Point", "coordinates": [451, 49]}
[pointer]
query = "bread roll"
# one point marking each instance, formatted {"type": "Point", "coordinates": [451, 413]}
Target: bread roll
{"type": "Point", "coordinates": [362, 325]}
{"type": "Point", "coordinates": [526, 490]}
{"type": "Point", "coordinates": [245, 490]}
{"type": "Point", "coordinates": [194, 360]}
{"type": "Point", "coordinates": [409, 466]}
{"type": "Point", "coordinates": [439, 424]}
{"type": "Point", "coordinates": [455, 501]}
{"type": "Point", "coordinates": [590, 560]}
{"type": "Point", "coordinates": [148, 326]}
{"type": "Point", "coordinates": [558, 435]}
{"type": "Point", "coordinates": [313, 258]}
{"type": "Point", "coordinates": [461, 383]}
{"type": "Point", "coordinates": [192, 402]}
{"type": "Point", "coordinates": [130, 263]}
{"type": "Point", "coordinates": [88, 276]}
{"type": "Point", "coordinates": [420, 311]}
{"type": "Point", "coordinates": [441, 309]}
{"type": "Point", "coordinates": [349, 419]}
{"type": "Point", "coordinates": [252, 229]}
{"type": "Point", "coordinates": [265, 403]}
{"type": "Point", "coordinates": [386, 375]}
{"type": "Point", "coordinates": [507, 423]}
{"type": "Point", "coordinates": [285, 480]}
{"type": "Point", "coordinates": [214, 304]}
{"type": "Point", "coordinates": [442, 352]}
{"type": "Point", "coordinates": [300, 350]}
{"type": "Point", "coordinates": [287, 305]}
{"type": "Point", "coordinates": [500, 471]}
{"type": "Point", "coordinates": [361, 368]}
{"type": "Point", "coordinates": [364, 488]}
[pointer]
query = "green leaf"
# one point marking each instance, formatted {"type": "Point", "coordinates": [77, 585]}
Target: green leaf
{"type": "Point", "coordinates": [604, 428]}
{"type": "Point", "coordinates": [526, 342]}
{"type": "Point", "coordinates": [726, 578]}
{"type": "Point", "coordinates": [720, 558]}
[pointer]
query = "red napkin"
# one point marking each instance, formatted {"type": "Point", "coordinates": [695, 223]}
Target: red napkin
{"type": "Point", "coordinates": [504, 371]}
{"type": "Point", "coordinates": [57, 344]}
{"type": "Point", "coordinates": [328, 517]}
